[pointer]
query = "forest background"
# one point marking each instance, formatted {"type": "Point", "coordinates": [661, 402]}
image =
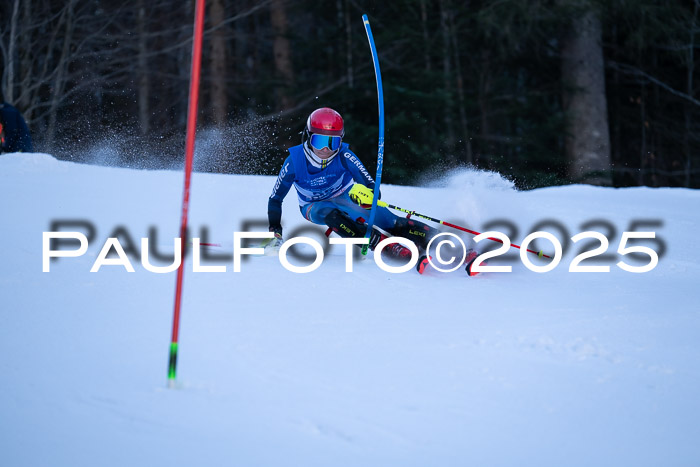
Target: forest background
{"type": "Point", "coordinates": [544, 92]}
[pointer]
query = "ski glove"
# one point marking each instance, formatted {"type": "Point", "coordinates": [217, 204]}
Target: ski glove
{"type": "Point", "coordinates": [277, 229]}
{"type": "Point", "coordinates": [362, 195]}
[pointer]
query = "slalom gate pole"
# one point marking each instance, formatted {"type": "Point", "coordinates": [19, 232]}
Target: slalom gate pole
{"type": "Point", "coordinates": [438, 221]}
{"type": "Point", "coordinates": [189, 157]}
{"type": "Point", "coordinates": [380, 153]}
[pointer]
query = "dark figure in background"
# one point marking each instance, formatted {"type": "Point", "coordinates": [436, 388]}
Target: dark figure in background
{"type": "Point", "coordinates": [14, 133]}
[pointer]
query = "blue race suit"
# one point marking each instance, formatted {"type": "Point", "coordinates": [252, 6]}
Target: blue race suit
{"type": "Point", "coordinates": [322, 189]}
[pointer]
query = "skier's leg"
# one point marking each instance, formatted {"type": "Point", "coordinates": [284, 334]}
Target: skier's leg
{"type": "Point", "coordinates": [346, 227]}
{"type": "Point", "coordinates": [317, 212]}
{"type": "Point", "coordinates": [343, 225]}
{"type": "Point", "coordinates": [348, 220]}
{"type": "Point", "coordinates": [416, 231]}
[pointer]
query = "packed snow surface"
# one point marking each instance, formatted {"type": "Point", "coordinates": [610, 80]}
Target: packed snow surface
{"type": "Point", "coordinates": [342, 368]}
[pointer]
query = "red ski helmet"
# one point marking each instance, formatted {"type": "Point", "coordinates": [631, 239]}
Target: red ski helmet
{"type": "Point", "coordinates": [325, 121]}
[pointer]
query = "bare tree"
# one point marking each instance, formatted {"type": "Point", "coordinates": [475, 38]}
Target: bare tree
{"type": "Point", "coordinates": [144, 72]}
{"type": "Point", "coordinates": [426, 36]}
{"type": "Point", "coordinates": [466, 138]}
{"type": "Point", "coordinates": [218, 64]}
{"type": "Point", "coordinates": [344, 23]}
{"type": "Point", "coordinates": [8, 80]}
{"type": "Point", "coordinates": [584, 101]}
{"type": "Point", "coordinates": [447, 75]}
{"type": "Point", "coordinates": [687, 110]}
{"type": "Point", "coordinates": [60, 78]}
{"type": "Point", "coordinates": [282, 53]}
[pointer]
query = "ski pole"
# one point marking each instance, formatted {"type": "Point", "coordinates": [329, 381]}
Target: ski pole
{"type": "Point", "coordinates": [438, 221]}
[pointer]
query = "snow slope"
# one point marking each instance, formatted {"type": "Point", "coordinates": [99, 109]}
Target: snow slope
{"type": "Point", "coordinates": [335, 368]}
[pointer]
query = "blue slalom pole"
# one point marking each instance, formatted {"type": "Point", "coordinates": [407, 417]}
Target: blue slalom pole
{"type": "Point", "coordinates": [380, 154]}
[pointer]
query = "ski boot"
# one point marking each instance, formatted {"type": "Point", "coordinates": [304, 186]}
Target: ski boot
{"type": "Point", "coordinates": [393, 250]}
{"type": "Point", "coordinates": [471, 257]}
{"type": "Point", "coordinates": [343, 225]}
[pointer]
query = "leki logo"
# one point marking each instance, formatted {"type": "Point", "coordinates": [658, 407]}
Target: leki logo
{"type": "Point", "coordinates": [347, 229]}
{"type": "Point", "coordinates": [416, 232]}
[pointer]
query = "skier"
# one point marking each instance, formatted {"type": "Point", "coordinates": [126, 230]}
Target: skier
{"type": "Point", "coordinates": [335, 189]}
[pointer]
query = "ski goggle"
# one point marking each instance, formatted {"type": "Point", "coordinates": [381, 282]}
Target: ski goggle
{"type": "Point", "coordinates": [324, 141]}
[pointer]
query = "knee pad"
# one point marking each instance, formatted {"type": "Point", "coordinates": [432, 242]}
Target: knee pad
{"type": "Point", "coordinates": [343, 225]}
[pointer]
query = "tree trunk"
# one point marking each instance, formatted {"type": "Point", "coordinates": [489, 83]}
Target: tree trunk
{"type": "Point", "coordinates": [583, 76]}
{"type": "Point", "coordinates": [24, 99]}
{"type": "Point", "coordinates": [144, 92]}
{"type": "Point", "coordinates": [643, 153]}
{"type": "Point", "coordinates": [59, 81]}
{"type": "Point", "coordinates": [11, 53]}
{"type": "Point", "coordinates": [219, 95]}
{"type": "Point", "coordinates": [344, 7]}
{"type": "Point", "coordinates": [282, 54]}
{"type": "Point", "coordinates": [690, 91]}
{"type": "Point", "coordinates": [447, 79]}
{"type": "Point", "coordinates": [467, 141]}
{"type": "Point", "coordinates": [426, 36]}
{"type": "Point", "coordinates": [486, 75]}
{"type": "Point", "coordinates": [616, 128]}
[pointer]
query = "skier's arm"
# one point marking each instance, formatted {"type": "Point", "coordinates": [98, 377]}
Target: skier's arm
{"type": "Point", "coordinates": [284, 182]}
{"type": "Point", "coordinates": [359, 173]}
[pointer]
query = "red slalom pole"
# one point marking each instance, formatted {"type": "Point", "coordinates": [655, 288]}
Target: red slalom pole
{"type": "Point", "coordinates": [189, 157]}
{"type": "Point", "coordinates": [438, 221]}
